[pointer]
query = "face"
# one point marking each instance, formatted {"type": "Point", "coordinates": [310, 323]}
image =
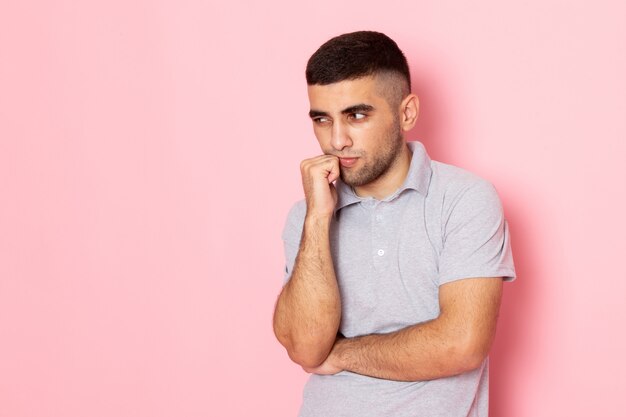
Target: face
{"type": "Point", "coordinates": [355, 122]}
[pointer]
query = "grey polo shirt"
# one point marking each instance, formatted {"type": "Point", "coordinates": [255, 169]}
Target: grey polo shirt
{"type": "Point", "coordinates": [390, 256]}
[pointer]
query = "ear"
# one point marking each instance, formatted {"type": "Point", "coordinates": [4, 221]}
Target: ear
{"type": "Point", "coordinates": [409, 111]}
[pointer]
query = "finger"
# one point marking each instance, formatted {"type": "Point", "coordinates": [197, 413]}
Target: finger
{"type": "Point", "coordinates": [333, 172]}
{"type": "Point", "coordinates": [317, 163]}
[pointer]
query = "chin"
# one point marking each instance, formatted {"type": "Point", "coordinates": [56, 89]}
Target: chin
{"type": "Point", "coordinates": [353, 180]}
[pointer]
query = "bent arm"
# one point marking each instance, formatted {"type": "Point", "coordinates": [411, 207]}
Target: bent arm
{"type": "Point", "coordinates": [308, 310]}
{"type": "Point", "coordinates": [455, 342]}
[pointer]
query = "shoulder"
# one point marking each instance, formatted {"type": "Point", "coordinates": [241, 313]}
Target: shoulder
{"type": "Point", "coordinates": [453, 186]}
{"type": "Point", "coordinates": [452, 179]}
{"type": "Point", "coordinates": [297, 212]}
{"type": "Point", "coordinates": [295, 220]}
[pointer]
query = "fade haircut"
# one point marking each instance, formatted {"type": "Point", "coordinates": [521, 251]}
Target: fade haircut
{"type": "Point", "coordinates": [361, 54]}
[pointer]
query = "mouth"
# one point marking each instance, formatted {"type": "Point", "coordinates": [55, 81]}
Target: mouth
{"type": "Point", "coordinates": [347, 162]}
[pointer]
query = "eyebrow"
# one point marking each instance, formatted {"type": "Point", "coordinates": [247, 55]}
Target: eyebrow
{"type": "Point", "coordinates": [357, 108]}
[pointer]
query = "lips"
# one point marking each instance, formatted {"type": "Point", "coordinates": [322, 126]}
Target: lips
{"type": "Point", "coordinates": [347, 162]}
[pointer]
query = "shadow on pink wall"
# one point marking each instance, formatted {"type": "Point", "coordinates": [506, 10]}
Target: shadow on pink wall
{"type": "Point", "coordinates": [513, 346]}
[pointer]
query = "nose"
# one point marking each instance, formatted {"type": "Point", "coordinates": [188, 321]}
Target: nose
{"type": "Point", "coordinates": [340, 137]}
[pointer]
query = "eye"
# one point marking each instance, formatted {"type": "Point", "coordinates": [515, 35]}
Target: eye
{"type": "Point", "coordinates": [321, 120]}
{"type": "Point", "coordinates": [357, 116]}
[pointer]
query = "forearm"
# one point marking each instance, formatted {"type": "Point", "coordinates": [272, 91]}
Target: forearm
{"type": "Point", "coordinates": [308, 310]}
{"type": "Point", "coordinates": [424, 351]}
{"type": "Point", "coordinates": [457, 341]}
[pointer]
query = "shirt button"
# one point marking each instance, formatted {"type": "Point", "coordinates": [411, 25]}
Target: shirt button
{"type": "Point", "coordinates": [381, 252]}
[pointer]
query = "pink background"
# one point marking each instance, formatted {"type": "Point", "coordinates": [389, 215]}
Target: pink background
{"type": "Point", "coordinates": [149, 153]}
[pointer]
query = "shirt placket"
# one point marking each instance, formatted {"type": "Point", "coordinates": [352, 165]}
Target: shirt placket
{"type": "Point", "coordinates": [380, 238]}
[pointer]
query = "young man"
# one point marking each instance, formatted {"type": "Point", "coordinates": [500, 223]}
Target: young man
{"type": "Point", "coordinates": [394, 262]}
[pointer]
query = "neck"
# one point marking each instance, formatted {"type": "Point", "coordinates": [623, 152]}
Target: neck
{"type": "Point", "coordinates": [390, 181]}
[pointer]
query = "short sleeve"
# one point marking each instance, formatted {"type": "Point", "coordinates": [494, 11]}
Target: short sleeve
{"type": "Point", "coordinates": [291, 235]}
{"type": "Point", "coordinates": [476, 241]}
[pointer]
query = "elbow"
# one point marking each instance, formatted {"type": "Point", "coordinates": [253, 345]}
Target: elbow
{"type": "Point", "coordinates": [307, 354]}
{"type": "Point", "coordinates": [470, 355]}
{"type": "Point", "coordinates": [307, 358]}
{"type": "Point", "coordinates": [470, 361]}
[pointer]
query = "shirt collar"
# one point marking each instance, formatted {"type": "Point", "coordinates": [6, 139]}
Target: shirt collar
{"type": "Point", "coordinates": [418, 178]}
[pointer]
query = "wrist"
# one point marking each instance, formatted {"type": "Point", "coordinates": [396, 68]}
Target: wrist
{"type": "Point", "coordinates": [339, 352]}
{"type": "Point", "coordinates": [317, 220]}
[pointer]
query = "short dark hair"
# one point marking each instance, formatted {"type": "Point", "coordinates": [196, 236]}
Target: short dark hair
{"type": "Point", "coordinates": [355, 55]}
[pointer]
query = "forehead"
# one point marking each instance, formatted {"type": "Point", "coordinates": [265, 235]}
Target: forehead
{"type": "Point", "coordinates": [343, 94]}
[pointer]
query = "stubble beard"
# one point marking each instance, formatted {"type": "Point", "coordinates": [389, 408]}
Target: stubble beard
{"type": "Point", "coordinates": [381, 163]}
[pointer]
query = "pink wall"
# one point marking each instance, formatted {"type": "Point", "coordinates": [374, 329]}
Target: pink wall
{"type": "Point", "coordinates": [149, 152]}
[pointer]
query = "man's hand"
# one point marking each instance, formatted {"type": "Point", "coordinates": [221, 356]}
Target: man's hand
{"type": "Point", "coordinates": [318, 174]}
{"type": "Point", "coordinates": [326, 368]}
{"type": "Point", "coordinates": [331, 365]}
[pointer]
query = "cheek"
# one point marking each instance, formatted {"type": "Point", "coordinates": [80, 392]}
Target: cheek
{"type": "Point", "coordinates": [367, 134]}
